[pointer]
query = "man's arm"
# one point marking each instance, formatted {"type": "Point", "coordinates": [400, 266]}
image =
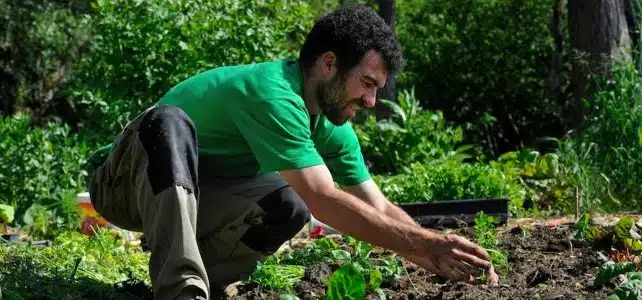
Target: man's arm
{"type": "Point", "coordinates": [369, 192]}
{"type": "Point", "coordinates": [459, 257]}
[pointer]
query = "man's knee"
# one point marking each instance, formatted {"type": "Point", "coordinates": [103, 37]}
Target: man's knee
{"type": "Point", "coordinates": [285, 214]}
{"type": "Point", "coordinates": [169, 138]}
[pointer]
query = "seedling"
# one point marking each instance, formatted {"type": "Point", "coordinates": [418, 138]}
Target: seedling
{"type": "Point", "coordinates": [486, 237]}
{"type": "Point", "coordinates": [274, 276]}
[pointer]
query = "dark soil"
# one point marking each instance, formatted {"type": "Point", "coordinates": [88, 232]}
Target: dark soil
{"type": "Point", "coordinates": [545, 263]}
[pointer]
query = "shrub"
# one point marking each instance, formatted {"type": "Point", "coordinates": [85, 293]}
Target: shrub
{"type": "Point", "coordinates": [485, 62]}
{"type": "Point", "coordinates": [142, 48]}
{"type": "Point", "coordinates": [606, 155]}
{"type": "Point", "coordinates": [40, 167]}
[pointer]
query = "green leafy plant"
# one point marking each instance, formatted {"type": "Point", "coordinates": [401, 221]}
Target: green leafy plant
{"type": "Point", "coordinates": [42, 167]}
{"type": "Point", "coordinates": [410, 135]}
{"type": "Point", "coordinates": [319, 251]}
{"type": "Point", "coordinates": [271, 275]}
{"type": "Point", "coordinates": [452, 181]}
{"type": "Point", "coordinates": [486, 237]}
{"type": "Point", "coordinates": [604, 157]}
{"type": "Point", "coordinates": [141, 48]}
{"type": "Point", "coordinates": [611, 270]}
{"type": "Point", "coordinates": [468, 74]}
{"type": "Point", "coordinates": [347, 282]}
{"type": "Point", "coordinates": [631, 288]}
{"type": "Point", "coordinates": [75, 266]}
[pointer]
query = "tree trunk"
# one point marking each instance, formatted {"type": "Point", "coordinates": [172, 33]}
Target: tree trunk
{"type": "Point", "coordinates": [387, 12]}
{"type": "Point", "coordinates": [557, 60]}
{"type": "Point", "coordinates": [598, 35]}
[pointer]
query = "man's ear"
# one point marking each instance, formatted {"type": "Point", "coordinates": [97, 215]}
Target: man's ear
{"type": "Point", "coordinates": [328, 63]}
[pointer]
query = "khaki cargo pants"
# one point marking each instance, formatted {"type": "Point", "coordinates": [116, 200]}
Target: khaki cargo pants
{"type": "Point", "coordinates": [203, 232]}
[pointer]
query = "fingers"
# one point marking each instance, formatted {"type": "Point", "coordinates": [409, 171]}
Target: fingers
{"type": "Point", "coordinates": [457, 270]}
{"type": "Point", "coordinates": [468, 247]}
{"type": "Point", "coordinates": [493, 278]}
{"type": "Point", "coordinates": [474, 261]}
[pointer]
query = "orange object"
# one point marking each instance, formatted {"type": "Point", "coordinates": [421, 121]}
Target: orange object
{"type": "Point", "coordinates": [90, 219]}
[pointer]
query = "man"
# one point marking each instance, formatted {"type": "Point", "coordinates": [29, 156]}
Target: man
{"type": "Point", "coordinates": [228, 165]}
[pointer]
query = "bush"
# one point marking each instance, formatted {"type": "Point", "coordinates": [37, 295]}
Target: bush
{"type": "Point", "coordinates": [483, 62]}
{"type": "Point", "coordinates": [40, 168]}
{"type": "Point", "coordinates": [142, 48]}
{"type": "Point", "coordinates": [606, 155]}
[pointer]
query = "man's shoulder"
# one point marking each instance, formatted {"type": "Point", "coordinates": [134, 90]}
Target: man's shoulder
{"type": "Point", "coordinates": [275, 80]}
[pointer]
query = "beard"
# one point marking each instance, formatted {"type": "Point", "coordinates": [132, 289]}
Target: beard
{"type": "Point", "coordinates": [332, 98]}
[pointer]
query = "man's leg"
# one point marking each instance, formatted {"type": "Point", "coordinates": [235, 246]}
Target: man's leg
{"type": "Point", "coordinates": [242, 221]}
{"type": "Point", "coordinates": [149, 183]}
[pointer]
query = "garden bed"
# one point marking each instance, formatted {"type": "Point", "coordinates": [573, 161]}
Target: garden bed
{"type": "Point", "coordinates": [554, 259]}
{"type": "Point", "coordinates": [545, 262]}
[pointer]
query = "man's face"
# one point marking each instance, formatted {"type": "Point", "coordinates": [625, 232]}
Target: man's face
{"type": "Point", "coordinates": [342, 95]}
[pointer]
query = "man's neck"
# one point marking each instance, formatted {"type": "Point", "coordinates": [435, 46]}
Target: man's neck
{"type": "Point", "coordinates": [309, 93]}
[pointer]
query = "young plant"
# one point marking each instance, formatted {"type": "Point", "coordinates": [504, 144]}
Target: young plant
{"type": "Point", "coordinates": [277, 277]}
{"type": "Point", "coordinates": [486, 236]}
{"type": "Point", "coordinates": [320, 251]}
{"type": "Point", "coordinates": [346, 283]}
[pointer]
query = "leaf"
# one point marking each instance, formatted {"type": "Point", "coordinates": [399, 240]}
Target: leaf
{"type": "Point", "coordinates": [611, 270]}
{"type": "Point", "coordinates": [32, 213]}
{"type": "Point", "coordinates": [376, 278]}
{"type": "Point", "coordinates": [289, 297]}
{"type": "Point", "coordinates": [6, 213]}
{"type": "Point", "coordinates": [630, 290]}
{"type": "Point", "coordinates": [346, 283]}
{"type": "Point", "coordinates": [341, 255]}
{"type": "Point", "coordinates": [325, 244]}
{"type": "Point", "coordinates": [396, 108]}
{"type": "Point", "coordinates": [623, 227]}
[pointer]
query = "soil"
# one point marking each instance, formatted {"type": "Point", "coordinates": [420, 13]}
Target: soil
{"type": "Point", "coordinates": [545, 263]}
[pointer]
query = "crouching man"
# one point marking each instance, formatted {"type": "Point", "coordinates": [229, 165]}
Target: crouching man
{"type": "Point", "coordinates": [228, 165]}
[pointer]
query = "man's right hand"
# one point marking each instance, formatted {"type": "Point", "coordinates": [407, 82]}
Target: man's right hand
{"type": "Point", "coordinates": [454, 255]}
{"type": "Point", "coordinates": [459, 259]}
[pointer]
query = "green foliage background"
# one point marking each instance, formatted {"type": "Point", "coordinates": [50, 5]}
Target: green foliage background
{"type": "Point", "coordinates": [474, 99]}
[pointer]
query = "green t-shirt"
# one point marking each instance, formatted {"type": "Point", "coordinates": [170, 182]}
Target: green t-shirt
{"type": "Point", "coordinates": [251, 119]}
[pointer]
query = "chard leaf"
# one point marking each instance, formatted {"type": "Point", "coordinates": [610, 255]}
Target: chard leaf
{"type": "Point", "coordinates": [346, 283]}
{"type": "Point", "coordinates": [341, 255]}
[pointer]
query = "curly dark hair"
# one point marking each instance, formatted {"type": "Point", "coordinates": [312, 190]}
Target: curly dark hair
{"type": "Point", "coordinates": [350, 32]}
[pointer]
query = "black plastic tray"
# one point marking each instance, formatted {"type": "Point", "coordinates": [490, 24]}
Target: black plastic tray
{"type": "Point", "coordinates": [448, 213]}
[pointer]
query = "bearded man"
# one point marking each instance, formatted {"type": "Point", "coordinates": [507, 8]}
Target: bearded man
{"type": "Point", "coordinates": [230, 164]}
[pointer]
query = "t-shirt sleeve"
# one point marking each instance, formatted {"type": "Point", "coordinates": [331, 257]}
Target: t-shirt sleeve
{"type": "Point", "coordinates": [341, 152]}
{"type": "Point", "coordinates": [278, 132]}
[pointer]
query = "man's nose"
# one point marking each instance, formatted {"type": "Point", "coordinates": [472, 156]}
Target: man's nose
{"type": "Point", "coordinates": [369, 99]}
